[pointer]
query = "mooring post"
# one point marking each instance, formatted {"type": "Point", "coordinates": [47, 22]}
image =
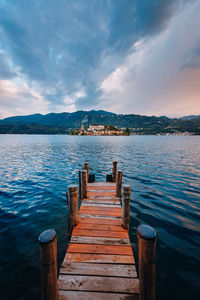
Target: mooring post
{"type": "Point", "coordinates": [86, 167]}
{"type": "Point", "coordinates": [114, 172]}
{"type": "Point", "coordinates": [118, 184]}
{"type": "Point", "coordinates": [125, 206]}
{"type": "Point", "coordinates": [72, 195]}
{"type": "Point", "coordinates": [83, 184]}
{"type": "Point", "coordinates": [48, 256]}
{"type": "Point", "coordinates": [147, 253]}
{"type": "Point", "coordinates": [79, 174]}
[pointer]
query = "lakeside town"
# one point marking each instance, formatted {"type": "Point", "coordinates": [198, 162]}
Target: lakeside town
{"type": "Point", "coordinates": [100, 130]}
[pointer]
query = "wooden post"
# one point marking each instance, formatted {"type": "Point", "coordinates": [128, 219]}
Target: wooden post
{"type": "Point", "coordinates": [48, 256]}
{"type": "Point", "coordinates": [125, 206]}
{"type": "Point", "coordinates": [114, 172]}
{"type": "Point", "coordinates": [72, 195]}
{"type": "Point", "coordinates": [80, 192]}
{"type": "Point", "coordinates": [83, 184]}
{"type": "Point", "coordinates": [118, 184]}
{"type": "Point", "coordinates": [86, 167]}
{"type": "Point", "coordinates": [147, 253]}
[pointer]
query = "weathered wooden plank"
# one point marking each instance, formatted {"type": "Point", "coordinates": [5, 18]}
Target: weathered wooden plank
{"type": "Point", "coordinates": [92, 208]}
{"type": "Point", "coordinates": [101, 284]}
{"type": "Point", "coordinates": [100, 194]}
{"type": "Point", "coordinates": [101, 188]}
{"type": "Point", "coordinates": [107, 211]}
{"type": "Point", "coordinates": [115, 270]}
{"type": "Point", "coordinates": [104, 202]}
{"type": "Point", "coordinates": [100, 227]}
{"type": "Point", "coordinates": [100, 213]}
{"type": "Point", "coordinates": [102, 199]}
{"type": "Point", "coordinates": [114, 221]}
{"type": "Point", "coordinates": [105, 193]}
{"type": "Point", "coordinates": [97, 216]}
{"type": "Point", "coordinates": [102, 184]}
{"type": "Point", "coordinates": [75, 295]}
{"type": "Point", "coordinates": [97, 204]}
{"type": "Point", "coordinates": [100, 233]}
{"type": "Point", "coordinates": [99, 258]}
{"type": "Point", "coordinates": [99, 240]}
{"type": "Point", "coordinates": [100, 249]}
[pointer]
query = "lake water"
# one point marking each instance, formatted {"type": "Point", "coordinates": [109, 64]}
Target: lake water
{"type": "Point", "coordinates": [163, 171]}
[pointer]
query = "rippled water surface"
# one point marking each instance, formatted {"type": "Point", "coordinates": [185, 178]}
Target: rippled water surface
{"type": "Point", "coordinates": [164, 173]}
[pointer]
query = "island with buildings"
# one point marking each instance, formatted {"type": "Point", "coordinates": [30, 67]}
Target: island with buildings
{"type": "Point", "coordinates": [100, 130]}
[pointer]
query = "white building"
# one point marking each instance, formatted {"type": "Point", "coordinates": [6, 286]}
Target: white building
{"type": "Point", "coordinates": [96, 127]}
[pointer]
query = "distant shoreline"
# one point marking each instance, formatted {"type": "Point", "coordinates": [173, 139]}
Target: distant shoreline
{"type": "Point", "coordinates": [99, 135]}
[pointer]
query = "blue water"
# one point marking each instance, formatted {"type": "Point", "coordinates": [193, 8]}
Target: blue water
{"type": "Point", "coordinates": [164, 173]}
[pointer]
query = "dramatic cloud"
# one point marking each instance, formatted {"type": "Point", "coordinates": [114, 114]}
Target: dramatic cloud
{"type": "Point", "coordinates": [123, 56]}
{"type": "Point", "coordinates": [156, 78]}
{"type": "Point", "coordinates": [192, 58]}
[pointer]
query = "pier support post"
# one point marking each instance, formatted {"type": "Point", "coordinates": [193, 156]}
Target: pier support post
{"type": "Point", "coordinates": [125, 206]}
{"type": "Point", "coordinates": [80, 192]}
{"type": "Point", "coordinates": [86, 167]}
{"type": "Point", "coordinates": [72, 195]}
{"type": "Point", "coordinates": [83, 184]}
{"type": "Point", "coordinates": [114, 171]}
{"type": "Point", "coordinates": [48, 256]}
{"type": "Point", "coordinates": [147, 253]}
{"type": "Point", "coordinates": [118, 184]}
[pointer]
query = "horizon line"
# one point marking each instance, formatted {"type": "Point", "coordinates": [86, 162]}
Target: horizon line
{"type": "Point", "coordinates": [81, 110]}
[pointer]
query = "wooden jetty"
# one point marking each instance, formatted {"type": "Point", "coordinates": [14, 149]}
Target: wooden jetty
{"type": "Point", "coordinates": [99, 263]}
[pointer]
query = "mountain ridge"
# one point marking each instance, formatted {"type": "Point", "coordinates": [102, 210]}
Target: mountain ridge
{"type": "Point", "coordinates": [63, 122]}
{"type": "Point", "coordinates": [190, 117]}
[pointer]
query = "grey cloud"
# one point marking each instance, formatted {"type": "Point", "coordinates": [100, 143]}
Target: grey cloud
{"type": "Point", "coordinates": [6, 71]}
{"type": "Point", "coordinates": [133, 20]}
{"type": "Point", "coordinates": [192, 58]}
{"type": "Point", "coordinates": [16, 41]}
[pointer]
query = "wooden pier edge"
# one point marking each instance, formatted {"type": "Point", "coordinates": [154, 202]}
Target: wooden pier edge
{"type": "Point", "coordinates": [99, 263]}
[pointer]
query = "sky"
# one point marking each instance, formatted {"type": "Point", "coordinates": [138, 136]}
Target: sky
{"type": "Point", "coordinates": [123, 56]}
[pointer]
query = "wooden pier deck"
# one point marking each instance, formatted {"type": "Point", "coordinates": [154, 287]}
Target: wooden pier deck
{"type": "Point", "coordinates": [99, 263]}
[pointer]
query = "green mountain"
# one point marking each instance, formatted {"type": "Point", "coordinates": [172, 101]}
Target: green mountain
{"type": "Point", "coordinates": [62, 123]}
{"type": "Point", "coordinates": [58, 119]}
{"type": "Point", "coordinates": [191, 117]}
